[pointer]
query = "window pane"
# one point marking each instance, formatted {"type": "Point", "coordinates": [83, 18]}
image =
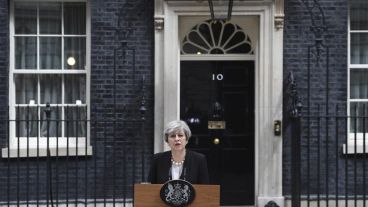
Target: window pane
{"type": "Point", "coordinates": [358, 84]}
{"type": "Point", "coordinates": [50, 52]}
{"type": "Point", "coordinates": [26, 89]}
{"type": "Point", "coordinates": [75, 121]}
{"type": "Point", "coordinates": [75, 53]}
{"type": "Point", "coordinates": [25, 17]}
{"type": "Point", "coordinates": [50, 89]}
{"type": "Point", "coordinates": [357, 116]}
{"type": "Point", "coordinates": [53, 127]}
{"type": "Point", "coordinates": [359, 48]}
{"type": "Point", "coordinates": [26, 122]}
{"type": "Point", "coordinates": [75, 88]}
{"type": "Point", "coordinates": [25, 53]}
{"type": "Point", "coordinates": [50, 18]}
{"type": "Point", "coordinates": [189, 48]}
{"type": "Point", "coordinates": [358, 15]}
{"type": "Point", "coordinates": [197, 39]}
{"type": "Point", "coordinates": [74, 18]}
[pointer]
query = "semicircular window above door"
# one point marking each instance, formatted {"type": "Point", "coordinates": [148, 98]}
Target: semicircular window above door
{"type": "Point", "coordinates": [216, 37]}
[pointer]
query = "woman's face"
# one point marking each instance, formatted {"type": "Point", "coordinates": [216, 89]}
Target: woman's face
{"type": "Point", "coordinates": [177, 141]}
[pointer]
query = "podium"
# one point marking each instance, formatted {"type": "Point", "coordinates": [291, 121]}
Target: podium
{"type": "Point", "coordinates": [148, 195]}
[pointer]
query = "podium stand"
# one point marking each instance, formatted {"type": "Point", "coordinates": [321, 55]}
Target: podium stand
{"type": "Point", "coordinates": [148, 195]}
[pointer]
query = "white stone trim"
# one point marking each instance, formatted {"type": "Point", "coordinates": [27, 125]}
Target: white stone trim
{"type": "Point", "coordinates": [41, 152]}
{"type": "Point", "coordinates": [355, 146]}
{"type": "Point", "coordinates": [214, 57]}
{"type": "Point", "coordinates": [159, 80]}
{"type": "Point", "coordinates": [268, 85]}
{"type": "Point", "coordinates": [279, 14]}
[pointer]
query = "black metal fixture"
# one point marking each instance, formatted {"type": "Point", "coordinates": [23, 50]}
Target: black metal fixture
{"type": "Point", "coordinates": [220, 3]}
{"type": "Point", "coordinates": [318, 27]}
{"type": "Point", "coordinates": [277, 128]}
{"type": "Point", "coordinates": [293, 102]}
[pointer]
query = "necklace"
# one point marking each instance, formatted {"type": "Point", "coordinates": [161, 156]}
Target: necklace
{"type": "Point", "coordinates": [180, 163]}
{"type": "Point", "coordinates": [177, 163]}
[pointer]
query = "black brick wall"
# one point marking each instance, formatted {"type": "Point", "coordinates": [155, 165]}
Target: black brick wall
{"type": "Point", "coordinates": [4, 35]}
{"type": "Point", "coordinates": [4, 48]}
{"type": "Point", "coordinates": [327, 88]}
{"type": "Point", "coordinates": [116, 92]}
{"type": "Point", "coordinates": [126, 28]}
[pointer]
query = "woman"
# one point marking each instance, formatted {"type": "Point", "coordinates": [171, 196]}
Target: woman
{"type": "Point", "coordinates": [179, 163]}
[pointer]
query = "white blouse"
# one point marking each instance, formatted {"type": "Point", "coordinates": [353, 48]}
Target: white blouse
{"type": "Point", "coordinates": [176, 171]}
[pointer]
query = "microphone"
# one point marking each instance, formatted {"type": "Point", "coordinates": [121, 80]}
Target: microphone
{"type": "Point", "coordinates": [184, 173]}
{"type": "Point", "coordinates": [170, 178]}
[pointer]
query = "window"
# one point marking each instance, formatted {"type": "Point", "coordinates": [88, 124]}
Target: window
{"type": "Point", "coordinates": [216, 37]}
{"type": "Point", "coordinates": [48, 65]}
{"type": "Point", "coordinates": [358, 73]}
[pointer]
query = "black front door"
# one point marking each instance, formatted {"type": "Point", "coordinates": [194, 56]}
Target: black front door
{"type": "Point", "coordinates": [217, 102]}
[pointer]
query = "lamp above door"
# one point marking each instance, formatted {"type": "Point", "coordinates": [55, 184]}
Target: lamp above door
{"type": "Point", "coordinates": [219, 13]}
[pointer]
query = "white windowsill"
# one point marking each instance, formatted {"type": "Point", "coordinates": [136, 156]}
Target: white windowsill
{"type": "Point", "coordinates": [42, 152]}
{"type": "Point", "coordinates": [352, 149]}
{"type": "Point", "coordinates": [356, 144]}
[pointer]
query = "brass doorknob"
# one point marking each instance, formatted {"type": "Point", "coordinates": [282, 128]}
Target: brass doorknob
{"type": "Point", "coordinates": [216, 141]}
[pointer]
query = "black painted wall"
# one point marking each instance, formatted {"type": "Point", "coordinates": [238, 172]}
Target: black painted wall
{"type": "Point", "coordinates": [121, 74]}
{"type": "Point", "coordinates": [322, 85]}
{"type": "Point", "coordinates": [4, 57]}
{"type": "Point", "coordinates": [126, 27]}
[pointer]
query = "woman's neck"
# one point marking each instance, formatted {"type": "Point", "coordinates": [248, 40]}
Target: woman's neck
{"type": "Point", "coordinates": [178, 155]}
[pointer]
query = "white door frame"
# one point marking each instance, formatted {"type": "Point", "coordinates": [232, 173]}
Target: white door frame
{"type": "Point", "coordinates": [268, 83]}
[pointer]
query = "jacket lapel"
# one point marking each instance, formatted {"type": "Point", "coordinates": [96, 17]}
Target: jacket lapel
{"type": "Point", "coordinates": [184, 173]}
{"type": "Point", "coordinates": [167, 164]}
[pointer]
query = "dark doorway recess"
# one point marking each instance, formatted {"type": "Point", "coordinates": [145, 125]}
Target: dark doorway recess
{"type": "Point", "coordinates": [217, 101]}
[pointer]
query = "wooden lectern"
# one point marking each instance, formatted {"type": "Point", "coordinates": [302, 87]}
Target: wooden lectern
{"type": "Point", "coordinates": [148, 195]}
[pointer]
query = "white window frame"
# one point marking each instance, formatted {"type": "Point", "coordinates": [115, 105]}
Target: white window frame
{"type": "Point", "coordinates": [37, 146]}
{"type": "Point", "coordinates": [355, 141]}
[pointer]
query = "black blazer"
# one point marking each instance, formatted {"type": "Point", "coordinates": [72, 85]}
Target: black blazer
{"type": "Point", "coordinates": [194, 170]}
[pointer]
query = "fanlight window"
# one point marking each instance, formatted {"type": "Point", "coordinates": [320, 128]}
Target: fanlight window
{"type": "Point", "coordinates": [216, 37]}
